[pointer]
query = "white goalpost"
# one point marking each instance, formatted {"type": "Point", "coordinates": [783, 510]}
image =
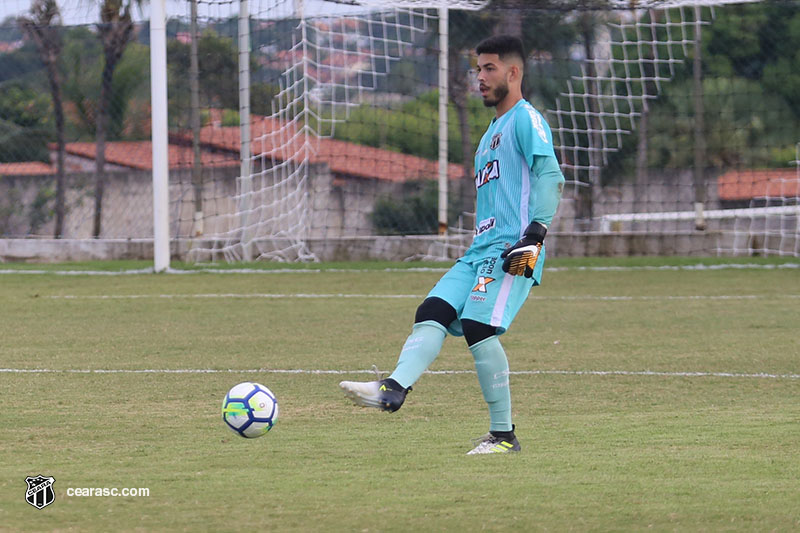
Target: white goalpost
{"type": "Point", "coordinates": [160, 139]}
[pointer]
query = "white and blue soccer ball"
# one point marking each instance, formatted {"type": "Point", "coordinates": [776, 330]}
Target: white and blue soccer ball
{"type": "Point", "coordinates": [250, 409]}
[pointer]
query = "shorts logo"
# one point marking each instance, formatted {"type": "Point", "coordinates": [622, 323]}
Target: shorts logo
{"type": "Point", "coordinates": [484, 226]}
{"type": "Point", "coordinates": [483, 281]}
{"type": "Point", "coordinates": [495, 141]}
{"type": "Point", "coordinates": [488, 266]}
{"type": "Point", "coordinates": [40, 491]}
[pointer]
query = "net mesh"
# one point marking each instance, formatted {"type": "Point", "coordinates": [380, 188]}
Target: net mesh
{"type": "Point", "coordinates": [656, 108]}
{"type": "Point", "coordinates": [331, 63]}
{"type": "Point", "coordinates": [603, 103]}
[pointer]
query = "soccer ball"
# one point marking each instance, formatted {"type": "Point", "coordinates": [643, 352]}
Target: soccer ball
{"type": "Point", "coordinates": [250, 409]}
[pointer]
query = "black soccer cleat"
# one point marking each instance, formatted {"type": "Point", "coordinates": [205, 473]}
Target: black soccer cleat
{"type": "Point", "coordinates": [490, 443]}
{"type": "Point", "coordinates": [386, 394]}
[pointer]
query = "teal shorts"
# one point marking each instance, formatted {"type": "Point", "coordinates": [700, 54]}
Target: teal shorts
{"type": "Point", "coordinates": [481, 291]}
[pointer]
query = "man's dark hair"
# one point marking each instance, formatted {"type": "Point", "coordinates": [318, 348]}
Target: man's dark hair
{"type": "Point", "coordinates": [502, 45]}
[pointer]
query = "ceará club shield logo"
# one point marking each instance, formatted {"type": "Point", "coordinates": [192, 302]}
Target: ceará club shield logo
{"type": "Point", "coordinates": [40, 492]}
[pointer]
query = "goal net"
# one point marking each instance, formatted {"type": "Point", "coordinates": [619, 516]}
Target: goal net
{"type": "Point", "coordinates": [320, 176]}
{"type": "Point", "coordinates": [304, 130]}
{"type": "Point", "coordinates": [610, 101]}
{"type": "Point", "coordinates": [328, 59]}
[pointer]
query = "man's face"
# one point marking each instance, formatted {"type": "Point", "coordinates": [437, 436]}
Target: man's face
{"type": "Point", "coordinates": [492, 79]}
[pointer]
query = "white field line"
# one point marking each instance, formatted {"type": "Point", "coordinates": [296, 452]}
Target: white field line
{"type": "Point", "coordinates": [226, 295]}
{"type": "Point", "coordinates": [647, 373]}
{"type": "Point", "coordinates": [735, 266]}
{"type": "Point", "coordinates": [412, 296]}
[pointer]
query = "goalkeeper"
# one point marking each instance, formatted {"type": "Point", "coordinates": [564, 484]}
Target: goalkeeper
{"type": "Point", "coordinates": [519, 185]}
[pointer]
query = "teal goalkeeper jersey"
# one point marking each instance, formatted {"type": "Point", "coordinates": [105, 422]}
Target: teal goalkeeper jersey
{"type": "Point", "coordinates": [517, 180]}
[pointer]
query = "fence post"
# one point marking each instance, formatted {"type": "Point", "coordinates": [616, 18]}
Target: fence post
{"type": "Point", "coordinates": [699, 126]}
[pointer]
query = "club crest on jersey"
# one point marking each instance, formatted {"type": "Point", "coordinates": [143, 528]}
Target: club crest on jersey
{"type": "Point", "coordinates": [495, 141]}
{"type": "Point", "coordinates": [483, 281]}
{"type": "Point", "coordinates": [490, 171]}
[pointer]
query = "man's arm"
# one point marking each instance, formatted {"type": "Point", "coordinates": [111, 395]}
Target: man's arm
{"type": "Point", "coordinates": [547, 188]}
{"type": "Point", "coordinates": [520, 259]}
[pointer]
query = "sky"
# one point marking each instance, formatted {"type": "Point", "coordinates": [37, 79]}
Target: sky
{"type": "Point", "coordinates": [87, 12]}
{"type": "Point", "coordinates": [75, 12]}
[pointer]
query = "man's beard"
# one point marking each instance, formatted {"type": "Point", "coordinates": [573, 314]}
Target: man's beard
{"type": "Point", "coordinates": [498, 95]}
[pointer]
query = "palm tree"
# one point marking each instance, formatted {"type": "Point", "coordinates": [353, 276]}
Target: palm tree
{"type": "Point", "coordinates": [43, 29]}
{"type": "Point", "coordinates": [115, 31]}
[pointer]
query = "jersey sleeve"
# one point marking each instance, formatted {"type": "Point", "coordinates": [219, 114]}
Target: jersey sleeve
{"type": "Point", "coordinates": [532, 134]}
{"type": "Point", "coordinates": [548, 184]}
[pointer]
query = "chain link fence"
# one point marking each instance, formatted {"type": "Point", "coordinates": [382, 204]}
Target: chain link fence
{"type": "Point", "coordinates": [677, 128]}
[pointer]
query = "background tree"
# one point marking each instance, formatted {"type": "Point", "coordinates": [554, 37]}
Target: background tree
{"type": "Point", "coordinates": [43, 28]}
{"type": "Point", "coordinates": [82, 62]}
{"type": "Point", "coordinates": [19, 63]}
{"type": "Point", "coordinates": [83, 65]}
{"type": "Point", "coordinates": [750, 90]}
{"type": "Point", "coordinates": [402, 78]}
{"type": "Point", "coordinates": [115, 31]}
{"type": "Point", "coordinates": [461, 47]}
{"type": "Point", "coordinates": [740, 119]}
{"type": "Point", "coordinates": [758, 42]}
{"type": "Point", "coordinates": [218, 66]}
{"type": "Point", "coordinates": [24, 123]}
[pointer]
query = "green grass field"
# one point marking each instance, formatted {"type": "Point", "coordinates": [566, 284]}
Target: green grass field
{"type": "Point", "coordinates": [647, 398]}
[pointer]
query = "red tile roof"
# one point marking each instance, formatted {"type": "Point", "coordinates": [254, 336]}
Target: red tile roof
{"type": "Point", "coordinates": [28, 168]}
{"type": "Point", "coordinates": [139, 155]}
{"type": "Point", "coordinates": [749, 184]}
{"type": "Point", "coordinates": [220, 148]}
{"type": "Point", "coordinates": [368, 162]}
{"type": "Point", "coordinates": [342, 157]}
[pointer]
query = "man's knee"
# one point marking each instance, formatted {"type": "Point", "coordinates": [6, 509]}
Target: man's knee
{"type": "Point", "coordinates": [475, 332]}
{"type": "Point", "coordinates": [437, 310]}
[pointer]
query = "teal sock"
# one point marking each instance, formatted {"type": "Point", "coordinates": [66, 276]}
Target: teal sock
{"type": "Point", "coordinates": [492, 367]}
{"type": "Point", "coordinates": [419, 351]}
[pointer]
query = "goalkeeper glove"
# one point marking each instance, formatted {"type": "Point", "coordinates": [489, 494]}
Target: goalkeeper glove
{"type": "Point", "coordinates": [521, 258]}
